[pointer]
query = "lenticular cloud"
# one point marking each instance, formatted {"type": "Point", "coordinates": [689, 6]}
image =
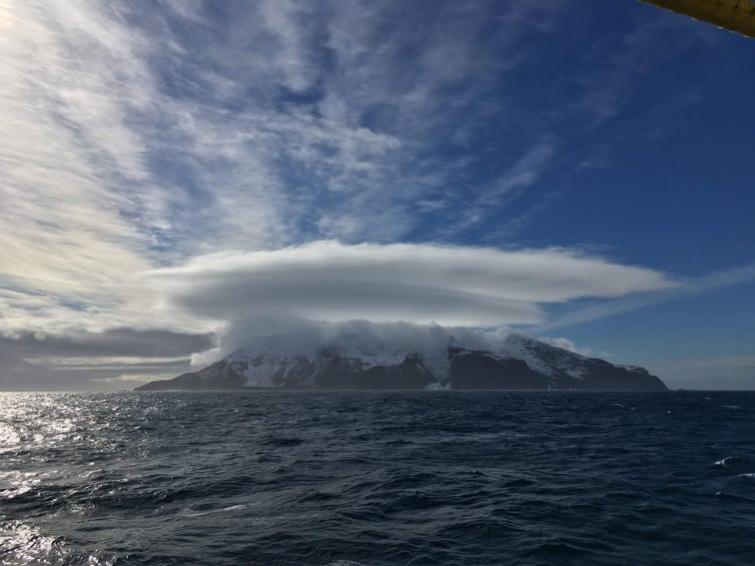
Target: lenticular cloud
{"type": "Point", "coordinates": [415, 283]}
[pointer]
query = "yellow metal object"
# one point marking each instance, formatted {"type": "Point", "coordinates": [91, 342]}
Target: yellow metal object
{"type": "Point", "coordinates": [736, 15]}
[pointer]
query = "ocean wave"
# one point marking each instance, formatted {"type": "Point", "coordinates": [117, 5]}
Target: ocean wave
{"type": "Point", "coordinates": [398, 478]}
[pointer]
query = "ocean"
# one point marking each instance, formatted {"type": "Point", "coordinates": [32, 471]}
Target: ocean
{"type": "Point", "coordinates": [347, 478]}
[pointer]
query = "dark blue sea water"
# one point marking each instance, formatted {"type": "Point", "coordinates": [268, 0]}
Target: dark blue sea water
{"type": "Point", "coordinates": [377, 478]}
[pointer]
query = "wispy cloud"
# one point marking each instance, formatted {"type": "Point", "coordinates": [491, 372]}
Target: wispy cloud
{"type": "Point", "coordinates": [505, 189]}
{"type": "Point", "coordinates": [620, 62]}
{"type": "Point", "coordinates": [691, 287]}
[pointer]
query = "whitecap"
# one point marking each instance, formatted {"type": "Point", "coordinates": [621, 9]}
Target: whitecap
{"type": "Point", "coordinates": [730, 461]}
{"type": "Point", "coordinates": [213, 511]}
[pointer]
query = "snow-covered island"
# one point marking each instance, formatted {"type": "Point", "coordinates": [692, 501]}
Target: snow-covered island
{"type": "Point", "coordinates": [519, 363]}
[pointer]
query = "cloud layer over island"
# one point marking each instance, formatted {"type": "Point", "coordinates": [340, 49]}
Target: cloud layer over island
{"type": "Point", "coordinates": [415, 283]}
{"type": "Point", "coordinates": [409, 291]}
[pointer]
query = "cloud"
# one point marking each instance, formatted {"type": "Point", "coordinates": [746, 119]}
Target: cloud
{"type": "Point", "coordinates": [504, 190]}
{"type": "Point", "coordinates": [287, 336]}
{"type": "Point", "coordinates": [619, 62]}
{"type": "Point", "coordinates": [117, 342]}
{"type": "Point", "coordinates": [566, 344]}
{"type": "Point", "coordinates": [417, 283]}
{"type": "Point", "coordinates": [711, 282]}
{"type": "Point", "coordinates": [71, 361]}
{"type": "Point", "coordinates": [160, 134]}
{"type": "Point", "coordinates": [137, 139]}
{"type": "Point", "coordinates": [68, 149]}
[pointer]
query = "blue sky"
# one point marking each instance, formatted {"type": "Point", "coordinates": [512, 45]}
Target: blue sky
{"type": "Point", "coordinates": [591, 156]}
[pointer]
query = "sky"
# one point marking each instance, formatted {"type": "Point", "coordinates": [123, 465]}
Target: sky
{"type": "Point", "coordinates": [178, 176]}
